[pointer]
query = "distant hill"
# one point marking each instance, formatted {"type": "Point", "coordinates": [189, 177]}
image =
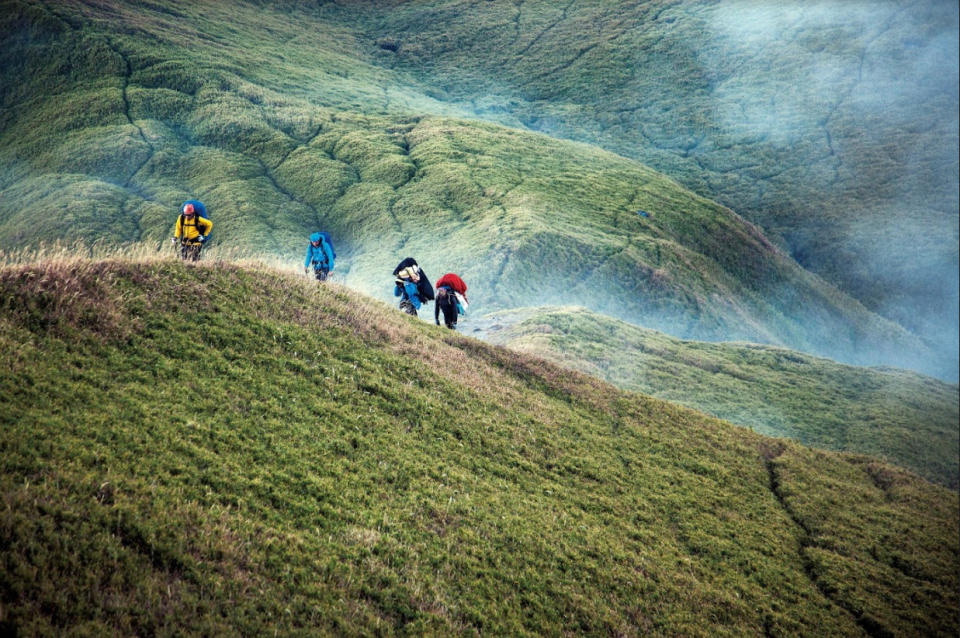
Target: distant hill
{"type": "Point", "coordinates": [832, 125]}
{"type": "Point", "coordinates": [111, 118]}
{"type": "Point", "coordinates": [909, 419]}
{"type": "Point", "coordinates": [216, 449]}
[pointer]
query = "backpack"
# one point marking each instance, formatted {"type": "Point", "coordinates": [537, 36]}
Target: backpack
{"type": "Point", "coordinates": [424, 288]}
{"type": "Point", "coordinates": [406, 263]}
{"type": "Point", "coordinates": [199, 209]}
{"type": "Point", "coordinates": [326, 238]}
{"type": "Point", "coordinates": [454, 281]}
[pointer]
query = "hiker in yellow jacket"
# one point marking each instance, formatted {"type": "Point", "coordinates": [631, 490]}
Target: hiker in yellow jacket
{"type": "Point", "coordinates": [191, 231]}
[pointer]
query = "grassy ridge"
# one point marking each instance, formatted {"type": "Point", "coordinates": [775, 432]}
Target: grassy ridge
{"type": "Point", "coordinates": [833, 126]}
{"type": "Point", "coordinates": [909, 419]}
{"type": "Point", "coordinates": [276, 146]}
{"type": "Point", "coordinates": [220, 449]}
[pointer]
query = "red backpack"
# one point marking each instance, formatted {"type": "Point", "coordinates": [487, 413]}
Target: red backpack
{"type": "Point", "coordinates": [453, 281]}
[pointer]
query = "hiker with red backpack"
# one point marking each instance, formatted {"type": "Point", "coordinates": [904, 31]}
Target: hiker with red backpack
{"type": "Point", "coordinates": [412, 285]}
{"type": "Point", "coordinates": [451, 299]}
{"type": "Point", "coordinates": [192, 229]}
{"type": "Point", "coordinates": [320, 255]}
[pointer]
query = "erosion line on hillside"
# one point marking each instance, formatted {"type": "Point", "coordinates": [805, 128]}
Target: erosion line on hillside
{"type": "Point", "coordinates": [516, 18]}
{"type": "Point", "coordinates": [126, 83]}
{"type": "Point", "coordinates": [284, 158]}
{"type": "Point", "coordinates": [824, 123]}
{"type": "Point", "coordinates": [870, 626]}
{"type": "Point", "coordinates": [291, 196]}
{"type": "Point", "coordinates": [563, 16]}
{"type": "Point", "coordinates": [403, 239]}
{"type": "Point", "coordinates": [128, 73]}
{"type": "Point", "coordinates": [308, 141]}
{"type": "Point", "coordinates": [126, 111]}
{"type": "Point", "coordinates": [659, 11]}
{"type": "Point", "coordinates": [563, 67]}
{"type": "Point", "coordinates": [405, 147]}
{"type": "Point", "coordinates": [882, 30]}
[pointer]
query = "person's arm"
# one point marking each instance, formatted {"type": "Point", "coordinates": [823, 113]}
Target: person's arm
{"type": "Point", "coordinates": [206, 223]}
{"type": "Point", "coordinates": [178, 229]}
{"type": "Point", "coordinates": [436, 313]}
{"type": "Point", "coordinates": [306, 264]}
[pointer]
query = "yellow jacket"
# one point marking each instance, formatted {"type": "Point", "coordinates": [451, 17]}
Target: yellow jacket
{"type": "Point", "coordinates": [192, 227]}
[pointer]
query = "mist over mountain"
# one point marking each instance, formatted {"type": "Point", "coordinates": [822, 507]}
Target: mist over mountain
{"type": "Point", "coordinates": [114, 113]}
{"type": "Point", "coordinates": [231, 448]}
{"type": "Point", "coordinates": [833, 125]}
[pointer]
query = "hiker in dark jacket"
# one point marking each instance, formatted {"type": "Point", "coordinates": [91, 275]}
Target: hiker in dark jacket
{"type": "Point", "coordinates": [451, 299]}
{"type": "Point", "coordinates": [320, 256]}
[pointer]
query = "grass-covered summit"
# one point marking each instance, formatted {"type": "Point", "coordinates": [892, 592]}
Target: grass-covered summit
{"type": "Point", "coordinates": [218, 449]}
{"type": "Point", "coordinates": [284, 120]}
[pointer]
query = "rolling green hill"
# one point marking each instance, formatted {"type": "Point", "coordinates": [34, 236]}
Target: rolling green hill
{"type": "Point", "coordinates": [832, 125]}
{"type": "Point", "coordinates": [218, 449]}
{"type": "Point", "coordinates": [909, 419]}
{"type": "Point", "coordinates": [283, 119]}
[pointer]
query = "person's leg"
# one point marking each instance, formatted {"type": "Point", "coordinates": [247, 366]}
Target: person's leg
{"type": "Point", "coordinates": [449, 309]}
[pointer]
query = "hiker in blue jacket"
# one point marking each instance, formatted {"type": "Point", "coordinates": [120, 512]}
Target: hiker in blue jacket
{"type": "Point", "coordinates": [412, 286]}
{"type": "Point", "coordinates": [320, 256]}
{"type": "Point", "coordinates": [405, 287]}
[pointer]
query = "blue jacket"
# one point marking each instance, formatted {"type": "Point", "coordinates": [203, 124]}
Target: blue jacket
{"type": "Point", "coordinates": [320, 254]}
{"type": "Point", "coordinates": [409, 291]}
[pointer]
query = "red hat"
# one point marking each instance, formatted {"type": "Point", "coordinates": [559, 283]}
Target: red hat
{"type": "Point", "coordinates": [187, 209]}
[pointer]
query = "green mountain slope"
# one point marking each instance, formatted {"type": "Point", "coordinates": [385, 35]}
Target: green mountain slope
{"type": "Point", "coordinates": [113, 115]}
{"type": "Point", "coordinates": [832, 125]}
{"type": "Point", "coordinates": [226, 450]}
{"type": "Point", "coordinates": [909, 419]}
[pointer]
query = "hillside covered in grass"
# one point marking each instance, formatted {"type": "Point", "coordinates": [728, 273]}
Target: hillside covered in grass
{"type": "Point", "coordinates": [909, 419]}
{"type": "Point", "coordinates": [284, 120]}
{"type": "Point", "coordinates": [221, 449]}
{"type": "Point", "coordinates": [833, 125]}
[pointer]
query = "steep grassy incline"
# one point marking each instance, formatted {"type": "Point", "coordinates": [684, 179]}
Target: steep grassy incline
{"type": "Point", "coordinates": [226, 450]}
{"type": "Point", "coordinates": [109, 123]}
{"type": "Point", "coordinates": [832, 125]}
{"type": "Point", "coordinates": [906, 418]}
